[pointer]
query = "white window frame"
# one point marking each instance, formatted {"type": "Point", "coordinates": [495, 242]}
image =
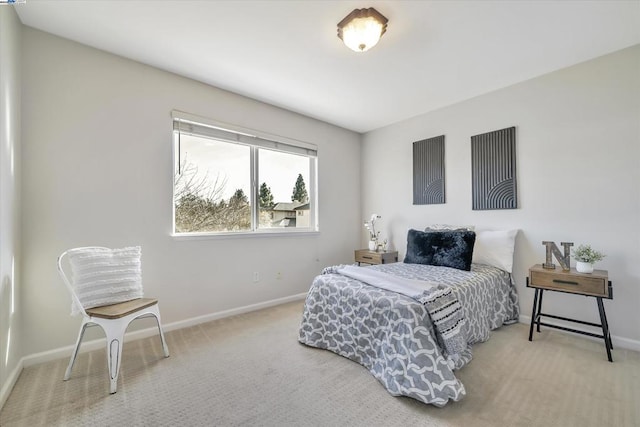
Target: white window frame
{"type": "Point", "coordinates": [202, 127]}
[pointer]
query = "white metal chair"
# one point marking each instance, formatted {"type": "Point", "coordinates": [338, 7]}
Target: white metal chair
{"type": "Point", "coordinates": [113, 318]}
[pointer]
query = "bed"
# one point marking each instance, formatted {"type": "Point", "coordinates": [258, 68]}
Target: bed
{"type": "Point", "coordinates": [392, 334]}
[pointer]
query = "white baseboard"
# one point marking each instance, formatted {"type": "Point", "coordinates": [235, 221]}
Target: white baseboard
{"type": "Point", "coordinates": [619, 342]}
{"type": "Point", "coordinates": [10, 382]}
{"type": "Point", "coordinates": [63, 352]}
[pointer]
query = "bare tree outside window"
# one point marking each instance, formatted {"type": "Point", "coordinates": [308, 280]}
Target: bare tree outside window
{"type": "Point", "coordinates": [199, 206]}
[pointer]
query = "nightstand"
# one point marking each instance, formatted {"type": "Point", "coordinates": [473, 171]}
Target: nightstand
{"type": "Point", "coordinates": [596, 284]}
{"type": "Point", "coordinates": [373, 257]}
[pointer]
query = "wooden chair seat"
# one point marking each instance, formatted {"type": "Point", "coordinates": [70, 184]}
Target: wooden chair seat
{"type": "Point", "coordinates": [122, 309]}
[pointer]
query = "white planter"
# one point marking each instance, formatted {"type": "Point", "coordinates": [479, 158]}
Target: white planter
{"type": "Point", "coordinates": [584, 267]}
{"type": "Point", "coordinates": [372, 245]}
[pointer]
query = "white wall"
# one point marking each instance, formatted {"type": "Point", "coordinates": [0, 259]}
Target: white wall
{"type": "Point", "coordinates": [98, 171]}
{"type": "Point", "coordinates": [578, 171]}
{"type": "Point", "coordinates": [10, 303]}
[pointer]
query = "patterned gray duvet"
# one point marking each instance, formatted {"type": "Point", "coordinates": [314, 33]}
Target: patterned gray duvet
{"type": "Point", "coordinates": [392, 334]}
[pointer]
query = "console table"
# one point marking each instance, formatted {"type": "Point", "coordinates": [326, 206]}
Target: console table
{"type": "Point", "coordinates": [596, 284]}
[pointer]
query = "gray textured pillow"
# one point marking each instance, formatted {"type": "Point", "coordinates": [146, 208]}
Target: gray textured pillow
{"type": "Point", "coordinates": [441, 248]}
{"type": "Point", "coordinates": [449, 227]}
{"type": "Point", "coordinates": [102, 276]}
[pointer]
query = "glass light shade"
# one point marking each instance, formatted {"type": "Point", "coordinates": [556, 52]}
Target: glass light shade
{"type": "Point", "coordinates": [361, 29]}
{"type": "Point", "coordinates": [362, 34]}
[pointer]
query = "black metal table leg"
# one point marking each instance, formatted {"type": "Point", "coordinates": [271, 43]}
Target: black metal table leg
{"type": "Point", "coordinates": [533, 314]}
{"type": "Point", "coordinates": [606, 325]}
{"type": "Point", "coordinates": [539, 309]}
{"type": "Point", "coordinates": [605, 328]}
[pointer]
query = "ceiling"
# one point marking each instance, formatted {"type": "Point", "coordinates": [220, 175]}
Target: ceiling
{"type": "Point", "coordinates": [286, 53]}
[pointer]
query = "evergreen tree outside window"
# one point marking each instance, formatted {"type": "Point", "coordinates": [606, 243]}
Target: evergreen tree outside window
{"type": "Point", "coordinates": [300, 191]}
{"type": "Point", "coordinates": [266, 198]}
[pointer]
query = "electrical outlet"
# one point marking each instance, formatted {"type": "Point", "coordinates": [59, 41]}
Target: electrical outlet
{"type": "Point", "coordinates": [256, 276]}
{"type": "Point", "coordinates": [279, 275]}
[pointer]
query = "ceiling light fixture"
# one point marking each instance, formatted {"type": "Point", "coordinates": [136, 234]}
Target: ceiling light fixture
{"type": "Point", "coordinates": [361, 29]}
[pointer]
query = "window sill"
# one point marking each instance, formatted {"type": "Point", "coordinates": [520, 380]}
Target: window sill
{"type": "Point", "coordinates": [243, 235]}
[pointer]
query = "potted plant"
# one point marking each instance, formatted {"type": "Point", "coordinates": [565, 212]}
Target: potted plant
{"type": "Point", "coordinates": [585, 257]}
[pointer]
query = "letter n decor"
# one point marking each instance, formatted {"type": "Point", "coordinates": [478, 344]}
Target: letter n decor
{"type": "Point", "coordinates": [428, 171]}
{"type": "Point", "coordinates": [493, 170]}
{"type": "Point", "coordinates": [564, 260]}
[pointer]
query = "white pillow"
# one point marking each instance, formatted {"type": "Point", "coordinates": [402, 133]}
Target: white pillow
{"type": "Point", "coordinates": [102, 276]}
{"type": "Point", "coordinates": [495, 248]}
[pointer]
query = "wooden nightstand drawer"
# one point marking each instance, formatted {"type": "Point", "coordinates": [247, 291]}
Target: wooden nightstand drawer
{"type": "Point", "coordinates": [373, 257]}
{"type": "Point", "coordinates": [595, 284]}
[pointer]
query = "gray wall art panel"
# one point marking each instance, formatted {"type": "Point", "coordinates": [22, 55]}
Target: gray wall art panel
{"type": "Point", "coordinates": [428, 171]}
{"type": "Point", "coordinates": [493, 170]}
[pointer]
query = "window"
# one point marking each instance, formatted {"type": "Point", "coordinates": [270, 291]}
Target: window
{"type": "Point", "coordinates": [232, 182]}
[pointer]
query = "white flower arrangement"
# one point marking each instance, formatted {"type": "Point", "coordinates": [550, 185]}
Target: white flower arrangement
{"type": "Point", "coordinates": [371, 227]}
{"type": "Point", "coordinates": [584, 253]}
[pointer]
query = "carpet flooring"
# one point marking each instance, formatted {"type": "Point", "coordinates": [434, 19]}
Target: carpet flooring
{"type": "Point", "coordinates": [250, 370]}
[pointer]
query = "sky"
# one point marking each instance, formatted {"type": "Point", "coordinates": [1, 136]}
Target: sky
{"type": "Point", "coordinates": [231, 162]}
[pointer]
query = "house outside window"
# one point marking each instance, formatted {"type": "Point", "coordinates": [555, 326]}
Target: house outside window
{"type": "Point", "coordinates": [302, 219]}
{"type": "Point", "coordinates": [229, 181]}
